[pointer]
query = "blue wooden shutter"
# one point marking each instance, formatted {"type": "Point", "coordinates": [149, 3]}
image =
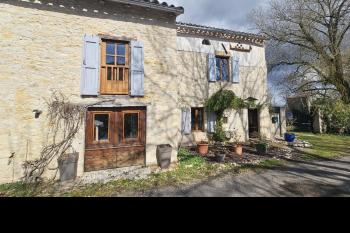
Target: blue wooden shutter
{"type": "Point", "coordinates": [186, 121]}
{"type": "Point", "coordinates": [211, 67]}
{"type": "Point", "coordinates": [137, 69]}
{"type": "Point", "coordinates": [89, 83]}
{"type": "Point", "coordinates": [211, 119]}
{"type": "Point", "coordinates": [235, 69]}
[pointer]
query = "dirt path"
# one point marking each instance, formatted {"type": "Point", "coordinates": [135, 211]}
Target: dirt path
{"type": "Point", "coordinates": [296, 178]}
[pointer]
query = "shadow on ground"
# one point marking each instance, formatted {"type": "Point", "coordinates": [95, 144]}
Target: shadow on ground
{"type": "Point", "coordinates": [318, 178]}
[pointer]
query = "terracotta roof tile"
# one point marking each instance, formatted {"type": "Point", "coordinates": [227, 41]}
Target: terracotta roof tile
{"type": "Point", "coordinates": [154, 4]}
{"type": "Point", "coordinates": [189, 28]}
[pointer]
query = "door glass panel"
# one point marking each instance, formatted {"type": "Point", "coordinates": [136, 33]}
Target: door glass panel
{"type": "Point", "coordinates": [131, 126]}
{"type": "Point", "coordinates": [110, 60]}
{"type": "Point", "coordinates": [200, 119]}
{"type": "Point", "coordinates": [101, 127]}
{"type": "Point", "coordinates": [110, 48]}
{"type": "Point", "coordinates": [193, 119]}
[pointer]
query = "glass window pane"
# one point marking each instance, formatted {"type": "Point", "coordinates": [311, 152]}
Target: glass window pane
{"type": "Point", "coordinates": [110, 60]}
{"type": "Point", "coordinates": [101, 127]}
{"type": "Point", "coordinates": [121, 49]}
{"type": "Point", "coordinates": [225, 70]}
{"type": "Point", "coordinates": [218, 70]}
{"type": "Point", "coordinates": [110, 48]}
{"type": "Point", "coordinates": [109, 73]}
{"type": "Point", "coordinates": [121, 60]}
{"type": "Point", "coordinates": [200, 119]}
{"type": "Point", "coordinates": [193, 119]}
{"type": "Point", "coordinates": [131, 126]}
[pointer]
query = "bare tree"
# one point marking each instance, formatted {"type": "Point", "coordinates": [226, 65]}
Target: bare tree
{"type": "Point", "coordinates": [311, 36]}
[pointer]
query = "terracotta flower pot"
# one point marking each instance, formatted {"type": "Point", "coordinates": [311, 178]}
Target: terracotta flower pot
{"type": "Point", "coordinates": [239, 150]}
{"type": "Point", "coordinates": [203, 148]}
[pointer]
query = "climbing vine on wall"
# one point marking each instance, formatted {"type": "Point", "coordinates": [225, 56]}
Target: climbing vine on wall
{"type": "Point", "coordinates": [64, 121]}
{"type": "Point", "coordinates": [218, 103]}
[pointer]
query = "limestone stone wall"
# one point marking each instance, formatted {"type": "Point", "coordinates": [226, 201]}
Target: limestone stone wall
{"type": "Point", "coordinates": [195, 88]}
{"type": "Point", "coordinates": [41, 51]}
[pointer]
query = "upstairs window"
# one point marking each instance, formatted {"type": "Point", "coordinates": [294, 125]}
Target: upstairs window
{"type": "Point", "coordinates": [114, 67]}
{"type": "Point", "coordinates": [222, 69]}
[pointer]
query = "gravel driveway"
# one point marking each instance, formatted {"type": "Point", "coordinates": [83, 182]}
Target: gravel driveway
{"type": "Point", "coordinates": [329, 177]}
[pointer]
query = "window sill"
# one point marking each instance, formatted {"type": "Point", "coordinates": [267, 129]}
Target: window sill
{"type": "Point", "coordinates": [102, 142]}
{"type": "Point", "coordinates": [222, 82]}
{"type": "Point", "coordinates": [114, 94]}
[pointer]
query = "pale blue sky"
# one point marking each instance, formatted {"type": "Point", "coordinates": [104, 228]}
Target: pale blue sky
{"type": "Point", "coordinates": [230, 14]}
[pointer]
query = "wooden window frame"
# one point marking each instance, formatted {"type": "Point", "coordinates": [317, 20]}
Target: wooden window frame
{"type": "Point", "coordinates": [228, 58]}
{"type": "Point", "coordinates": [108, 141]}
{"type": "Point", "coordinates": [196, 124]}
{"type": "Point", "coordinates": [104, 67]}
{"type": "Point", "coordinates": [138, 138]}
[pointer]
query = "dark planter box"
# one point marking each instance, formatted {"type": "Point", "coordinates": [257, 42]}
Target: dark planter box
{"type": "Point", "coordinates": [261, 149]}
{"type": "Point", "coordinates": [220, 158]}
{"type": "Point", "coordinates": [164, 156]}
{"type": "Point", "coordinates": [67, 165]}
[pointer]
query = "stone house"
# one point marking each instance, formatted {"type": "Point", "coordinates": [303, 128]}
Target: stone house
{"type": "Point", "coordinates": [144, 76]}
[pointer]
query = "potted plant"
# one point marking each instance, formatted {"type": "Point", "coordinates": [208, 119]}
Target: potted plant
{"type": "Point", "coordinates": [203, 147]}
{"type": "Point", "coordinates": [67, 165]}
{"type": "Point", "coordinates": [163, 155]}
{"type": "Point", "coordinates": [262, 146]}
{"type": "Point", "coordinates": [289, 137]}
{"type": "Point", "coordinates": [238, 148]}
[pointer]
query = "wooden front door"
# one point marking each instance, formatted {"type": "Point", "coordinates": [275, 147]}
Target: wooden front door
{"type": "Point", "coordinates": [253, 120]}
{"type": "Point", "coordinates": [115, 138]}
{"type": "Point", "coordinates": [114, 68]}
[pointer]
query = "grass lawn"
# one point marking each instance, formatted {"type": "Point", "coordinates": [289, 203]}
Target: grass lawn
{"type": "Point", "coordinates": [190, 168]}
{"type": "Point", "coordinates": [325, 146]}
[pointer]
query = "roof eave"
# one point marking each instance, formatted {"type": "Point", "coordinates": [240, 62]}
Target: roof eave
{"type": "Point", "coordinates": [204, 29]}
{"type": "Point", "coordinates": [176, 10]}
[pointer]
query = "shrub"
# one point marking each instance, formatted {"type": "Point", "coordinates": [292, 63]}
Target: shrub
{"type": "Point", "coordinates": [336, 115]}
{"type": "Point", "coordinates": [219, 135]}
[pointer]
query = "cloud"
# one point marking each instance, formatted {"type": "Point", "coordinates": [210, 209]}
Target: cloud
{"type": "Point", "coordinates": [230, 14]}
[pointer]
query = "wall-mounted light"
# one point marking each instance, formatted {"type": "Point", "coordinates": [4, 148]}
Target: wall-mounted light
{"type": "Point", "coordinates": [37, 113]}
{"type": "Point", "coordinates": [206, 42]}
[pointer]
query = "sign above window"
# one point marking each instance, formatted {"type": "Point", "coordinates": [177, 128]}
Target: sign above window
{"type": "Point", "coordinates": [240, 47]}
